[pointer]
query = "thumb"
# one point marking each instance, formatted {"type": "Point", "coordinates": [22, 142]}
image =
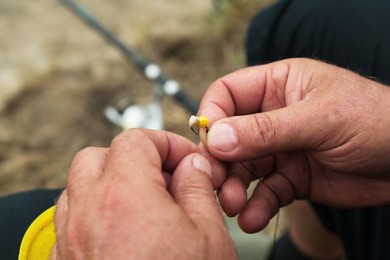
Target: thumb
{"type": "Point", "coordinates": [249, 137]}
{"type": "Point", "coordinates": [192, 189]}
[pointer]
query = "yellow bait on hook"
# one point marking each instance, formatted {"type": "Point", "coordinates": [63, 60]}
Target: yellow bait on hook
{"type": "Point", "coordinates": [203, 122]}
{"type": "Point", "coordinates": [200, 126]}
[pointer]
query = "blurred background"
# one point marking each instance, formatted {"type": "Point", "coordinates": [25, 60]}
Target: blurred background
{"type": "Point", "coordinates": [57, 75]}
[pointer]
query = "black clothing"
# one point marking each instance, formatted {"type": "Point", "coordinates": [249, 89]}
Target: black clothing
{"type": "Point", "coordinates": [17, 212]}
{"type": "Point", "coordinates": [353, 34]}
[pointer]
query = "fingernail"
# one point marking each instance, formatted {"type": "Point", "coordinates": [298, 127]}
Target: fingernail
{"type": "Point", "coordinates": [222, 137]}
{"type": "Point", "coordinates": [201, 163]}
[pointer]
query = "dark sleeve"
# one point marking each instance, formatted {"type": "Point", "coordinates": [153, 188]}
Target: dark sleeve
{"type": "Point", "coordinates": [353, 34]}
{"type": "Point", "coordinates": [17, 212]}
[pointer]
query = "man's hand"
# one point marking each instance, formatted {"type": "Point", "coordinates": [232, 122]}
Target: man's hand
{"type": "Point", "coordinates": [311, 130]}
{"type": "Point", "coordinates": [148, 196]}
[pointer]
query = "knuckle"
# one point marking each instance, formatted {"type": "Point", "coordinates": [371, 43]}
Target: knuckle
{"type": "Point", "coordinates": [78, 160]}
{"type": "Point", "coordinates": [128, 137]}
{"type": "Point", "coordinates": [263, 131]}
{"type": "Point", "coordinates": [125, 142]}
{"type": "Point", "coordinates": [84, 152]}
{"type": "Point", "coordinates": [72, 240]}
{"type": "Point", "coordinates": [279, 74]}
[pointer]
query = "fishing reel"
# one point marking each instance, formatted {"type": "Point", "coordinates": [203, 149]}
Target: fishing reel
{"type": "Point", "coordinates": [127, 114]}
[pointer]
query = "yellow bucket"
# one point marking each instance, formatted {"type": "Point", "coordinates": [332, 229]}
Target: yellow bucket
{"type": "Point", "coordinates": [39, 238]}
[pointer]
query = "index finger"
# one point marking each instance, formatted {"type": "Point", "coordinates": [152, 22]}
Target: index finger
{"type": "Point", "coordinates": [247, 91]}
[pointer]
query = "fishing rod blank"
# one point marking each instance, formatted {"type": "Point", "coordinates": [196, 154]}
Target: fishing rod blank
{"type": "Point", "coordinates": [151, 71]}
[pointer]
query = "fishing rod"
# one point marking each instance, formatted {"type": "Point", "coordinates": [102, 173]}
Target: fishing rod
{"type": "Point", "coordinates": [151, 71]}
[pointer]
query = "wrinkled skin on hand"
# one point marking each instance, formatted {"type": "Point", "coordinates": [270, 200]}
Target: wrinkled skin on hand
{"type": "Point", "coordinates": [149, 196]}
{"type": "Point", "coordinates": [311, 130]}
